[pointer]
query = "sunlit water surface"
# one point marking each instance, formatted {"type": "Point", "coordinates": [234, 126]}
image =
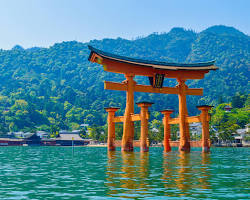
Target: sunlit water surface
{"type": "Point", "coordinates": [93, 173]}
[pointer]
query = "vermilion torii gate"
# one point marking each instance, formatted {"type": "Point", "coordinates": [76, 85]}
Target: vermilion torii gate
{"type": "Point", "coordinates": [156, 71]}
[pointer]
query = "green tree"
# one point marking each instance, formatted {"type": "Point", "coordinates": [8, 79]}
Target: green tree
{"type": "Point", "coordinates": [54, 131]}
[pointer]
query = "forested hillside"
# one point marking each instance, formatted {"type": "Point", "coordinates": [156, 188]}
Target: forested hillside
{"type": "Point", "coordinates": [59, 87]}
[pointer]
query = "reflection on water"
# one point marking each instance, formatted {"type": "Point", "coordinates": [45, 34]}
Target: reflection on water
{"type": "Point", "coordinates": [205, 174]}
{"type": "Point", "coordinates": [193, 173]}
{"type": "Point", "coordinates": [133, 173]}
{"type": "Point", "coordinates": [127, 172]}
{"type": "Point", "coordinates": [93, 173]}
{"type": "Point", "coordinates": [184, 174]}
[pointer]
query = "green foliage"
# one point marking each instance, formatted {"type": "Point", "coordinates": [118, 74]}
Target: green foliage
{"type": "Point", "coordinates": [227, 123]}
{"type": "Point", "coordinates": [238, 100]}
{"type": "Point", "coordinates": [54, 131]}
{"type": "Point", "coordinates": [174, 129]}
{"type": "Point", "coordinates": [58, 86]}
{"type": "Point", "coordinates": [98, 133]}
{"type": "Point", "coordinates": [119, 131]}
{"type": "Point", "coordinates": [83, 133]}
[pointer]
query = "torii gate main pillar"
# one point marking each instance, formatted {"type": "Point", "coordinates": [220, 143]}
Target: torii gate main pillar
{"type": "Point", "coordinates": [128, 126]}
{"type": "Point", "coordinates": [183, 114]}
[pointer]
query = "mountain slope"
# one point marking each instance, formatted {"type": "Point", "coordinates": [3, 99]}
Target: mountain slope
{"type": "Point", "coordinates": [58, 86]}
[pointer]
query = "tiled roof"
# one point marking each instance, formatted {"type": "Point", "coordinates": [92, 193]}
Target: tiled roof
{"type": "Point", "coordinates": [154, 64]}
{"type": "Point", "coordinates": [69, 137]}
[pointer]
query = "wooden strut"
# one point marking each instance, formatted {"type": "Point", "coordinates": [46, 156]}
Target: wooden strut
{"type": "Point", "coordinates": [143, 117]}
{"type": "Point", "coordinates": [111, 128]}
{"type": "Point", "coordinates": [204, 118]}
{"type": "Point", "coordinates": [166, 119]}
{"type": "Point", "coordinates": [148, 88]}
{"type": "Point", "coordinates": [144, 125]}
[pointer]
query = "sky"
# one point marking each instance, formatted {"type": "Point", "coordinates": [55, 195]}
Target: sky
{"type": "Point", "coordinates": [42, 23]}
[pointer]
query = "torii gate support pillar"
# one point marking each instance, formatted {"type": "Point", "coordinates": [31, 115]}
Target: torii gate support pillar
{"type": "Point", "coordinates": [144, 125]}
{"type": "Point", "coordinates": [205, 139]}
{"type": "Point", "coordinates": [166, 118]}
{"type": "Point", "coordinates": [111, 128]}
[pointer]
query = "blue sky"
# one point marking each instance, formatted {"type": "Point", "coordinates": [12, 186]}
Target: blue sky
{"type": "Point", "coordinates": [44, 22]}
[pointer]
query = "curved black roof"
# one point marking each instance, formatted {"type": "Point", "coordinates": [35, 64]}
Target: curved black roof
{"type": "Point", "coordinates": [155, 64]}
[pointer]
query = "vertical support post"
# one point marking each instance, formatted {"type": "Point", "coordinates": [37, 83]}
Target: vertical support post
{"type": "Point", "coordinates": [144, 129]}
{"type": "Point", "coordinates": [205, 139]}
{"type": "Point", "coordinates": [128, 126]}
{"type": "Point", "coordinates": [111, 128]}
{"type": "Point", "coordinates": [166, 118]}
{"type": "Point", "coordinates": [183, 114]}
{"type": "Point", "coordinates": [144, 125]}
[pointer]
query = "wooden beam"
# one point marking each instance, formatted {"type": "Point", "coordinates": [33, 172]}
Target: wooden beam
{"type": "Point", "coordinates": [119, 119]}
{"type": "Point", "coordinates": [189, 120]}
{"type": "Point", "coordinates": [124, 68]}
{"type": "Point", "coordinates": [193, 119]}
{"type": "Point", "coordinates": [114, 86]}
{"type": "Point", "coordinates": [148, 88]}
{"type": "Point", "coordinates": [135, 117]}
{"type": "Point", "coordinates": [174, 121]}
{"type": "Point", "coordinates": [194, 91]}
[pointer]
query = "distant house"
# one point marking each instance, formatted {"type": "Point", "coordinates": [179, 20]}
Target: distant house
{"type": "Point", "coordinates": [64, 132]}
{"type": "Point", "coordinates": [195, 129]}
{"type": "Point", "coordinates": [27, 139]}
{"type": "Point", "coordinates": [69, 138]}
{"type": "Point", "coordinates": [228, 108]}
{"type": "Point", "coordinates": [76, 131]}
{"type": "Point", "coordinates": [85, 128]}
{"type": "Point", "coordinates": [11, 142]}
{"type": "Point", "coordinates": [32, 139]}
{"type": "Point", "coordinates": [48, 142]}
{"type": "Point", "coordinates": [42, 134]}
{"type": "Point", "coordinates": [19, 134]}
{"type": "Point", "coordinates": [240, 135]}
{"type": "Point", "coordinates": [84, 125]}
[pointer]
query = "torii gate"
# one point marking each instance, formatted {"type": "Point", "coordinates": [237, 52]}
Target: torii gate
{"type": "Point", "coordinates": [156, 71]}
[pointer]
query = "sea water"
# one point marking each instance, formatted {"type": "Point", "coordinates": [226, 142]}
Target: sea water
{"type": "Point", "coordinates": [94, 173]}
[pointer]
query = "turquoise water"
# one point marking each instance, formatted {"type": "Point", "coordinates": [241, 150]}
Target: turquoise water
{"type": "Point", "coordinates": [93, 173]}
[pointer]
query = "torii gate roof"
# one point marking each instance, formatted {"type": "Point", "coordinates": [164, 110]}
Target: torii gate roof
{"type": "Point", "coordinates": [96, 53]}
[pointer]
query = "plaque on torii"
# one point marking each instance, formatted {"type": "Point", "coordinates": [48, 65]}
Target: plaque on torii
{"type": "Point", "coordinates": [156, 72]}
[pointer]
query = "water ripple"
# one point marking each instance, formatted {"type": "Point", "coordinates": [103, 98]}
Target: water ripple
{"type": "Point", "coordinates": [94, 173]}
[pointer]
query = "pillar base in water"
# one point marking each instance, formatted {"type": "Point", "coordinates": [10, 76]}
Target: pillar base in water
{"type": "Point", "coordinates": [185, 147]}
{"type": "Point", "coordinates": [111, 148]}
{"type": "Point", "coordinates": [144, 149]}
{"type": "Point", "coordinates": [128, 147]}
{"type": "Point", "coordinates": [167, 149]}
{"type": "Point", "coordinates": [205, 149]}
